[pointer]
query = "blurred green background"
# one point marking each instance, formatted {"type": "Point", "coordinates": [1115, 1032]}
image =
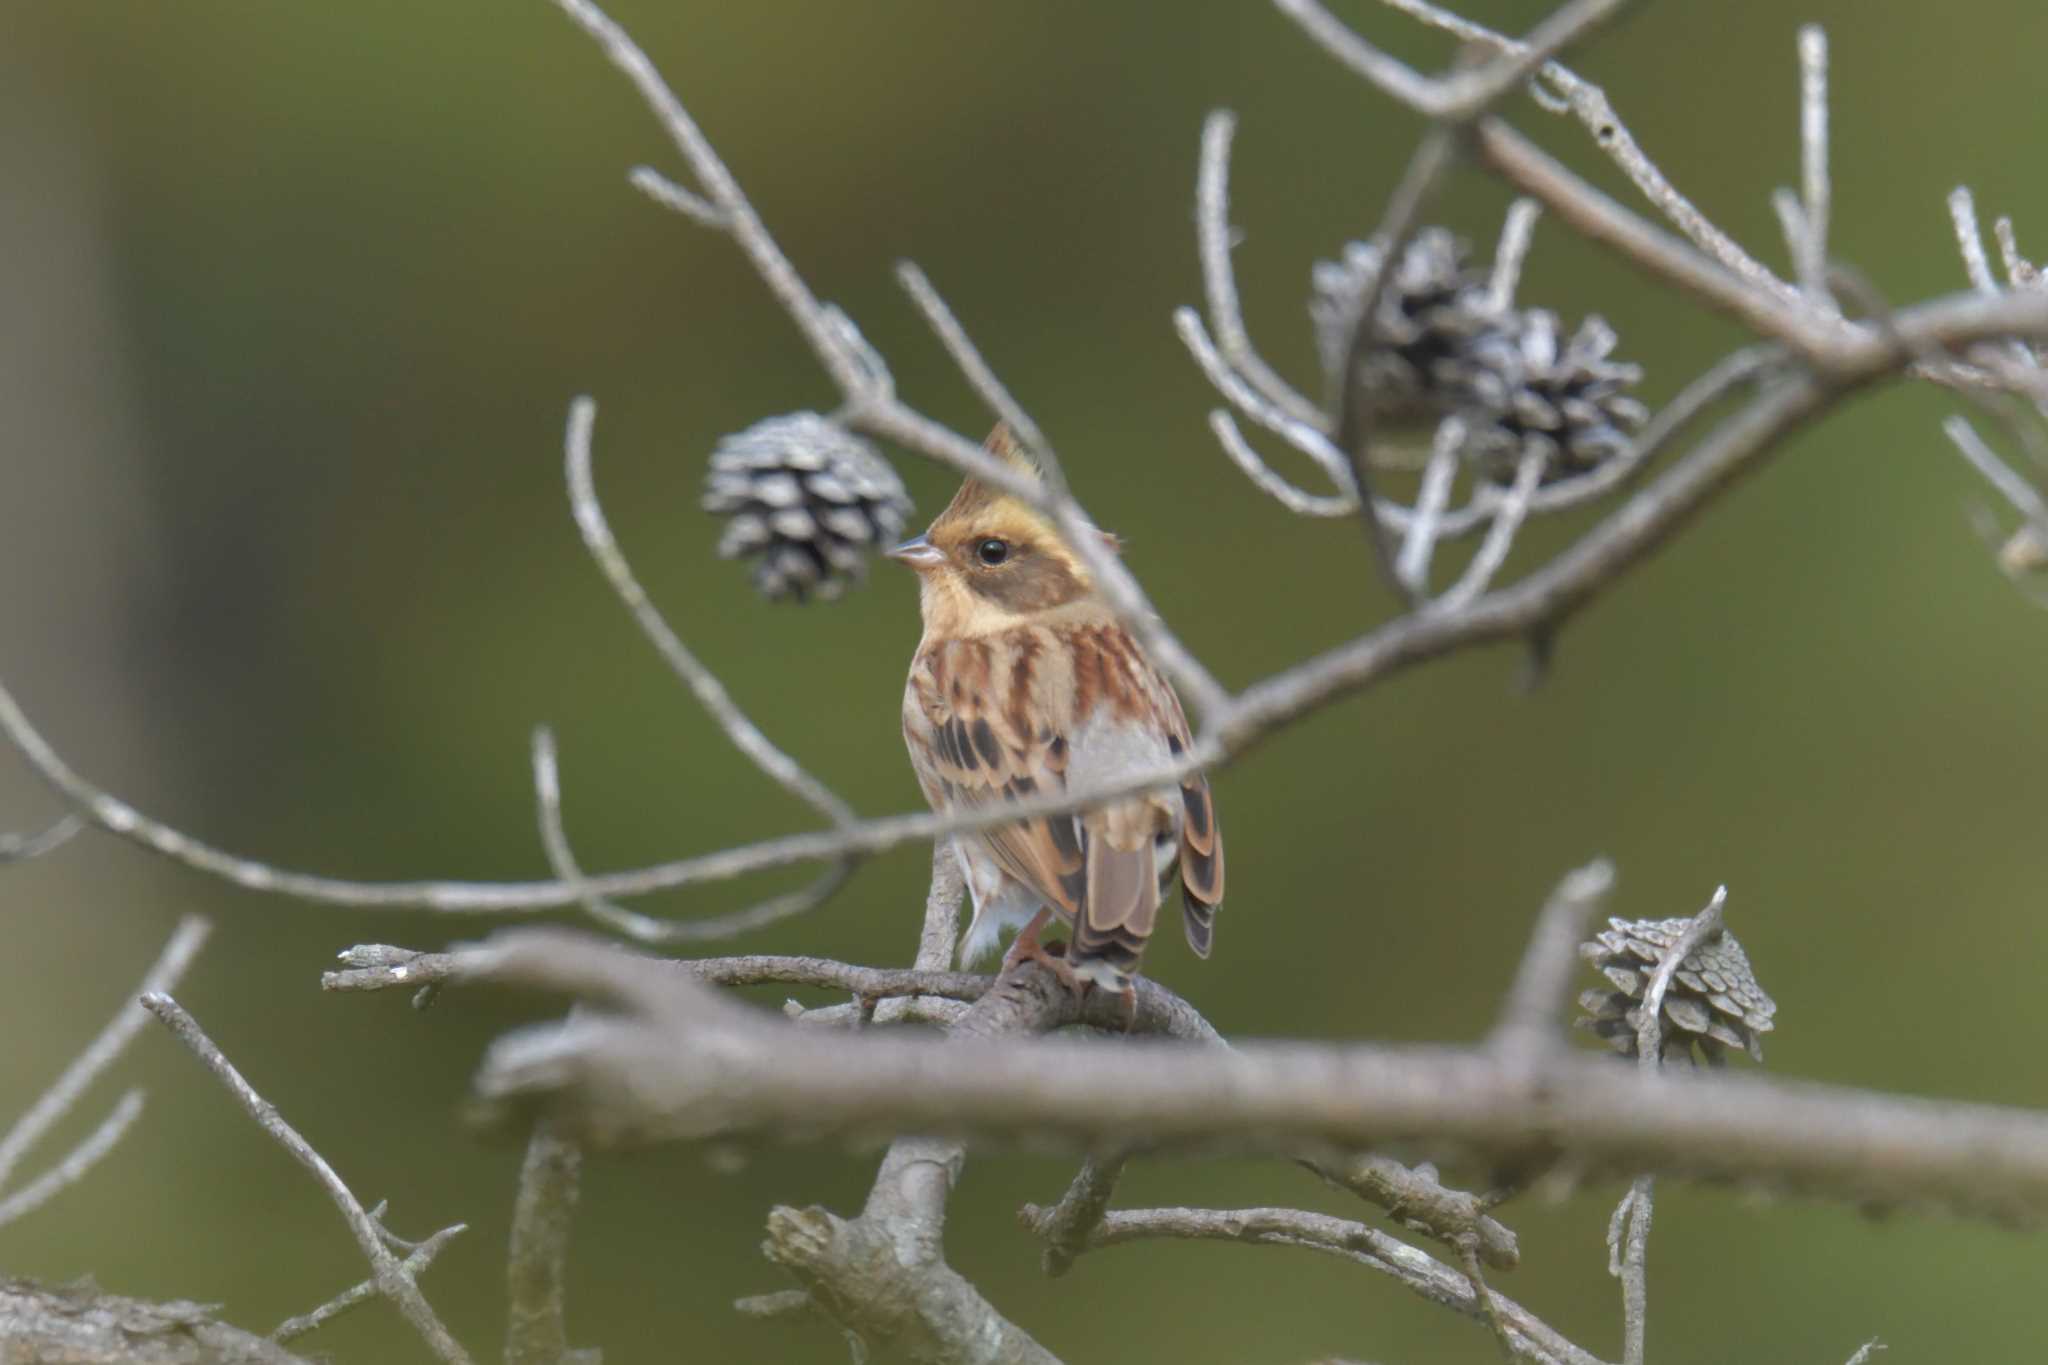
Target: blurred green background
{"type": "Point", "coordinates": [293, 300]}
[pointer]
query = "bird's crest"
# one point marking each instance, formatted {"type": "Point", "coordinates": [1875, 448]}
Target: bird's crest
{"type": "Point", "coordinates": [976, 497]}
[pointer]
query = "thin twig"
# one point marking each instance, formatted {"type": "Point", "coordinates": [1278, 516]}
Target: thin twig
{"type": "Point", "coordinates": [1516, 230]}
{"type": "Point", "coordinates": [73, 1165]}
{"type": "Point", "coordinates": [980, 377]}
{"type": "Point", "coordinates": [1419, 544]}
{"type": "Point", "coordinates": [670, 195]}
{"type": "Point", "coordinates": [380, 967]}
{"type": "Point", "coordinates": [20, 848]}
{"type": "Point", "coordinates": [100, 1054]}
{"type": "Point", "coordinates": [1419, 1272]}
{"type": "Point", "coordinates": [1590, 105]}
{"type": "Point", "coordinates": [1296, 500]}
{"type": "Point", "coordinates": [1597, 217]}
{"type": "Point", "coordinates": [736, 215]}
{"type": "Point", "coordinates": [1638, 1206]}
{"type": "Point", "coordinates": [415, 1264]}
{"type": "Point", "coordinates": [1488, 1302]}
{"type": "Point", "coordinates": [1213, 239]}
{"type": "Point", "coordinates": [1962, 212]}
{"type": "Point", "coordinates": [1418, 1201]}
{"type": "Point", "coordinates": [702, 682]}
{"type": "Point", "coordinates": [2015, 489]}
{"type": "Point", "coordinates": [1529, 1019]}
{"type": "Point", "coordinates": [1500, 536]}
{"type": "Point", "coordinates": [392, 1278]}
{"type": "Point", "coordinates": [648, 929]}
{"type": "Point", "coordinates": [1815, 192]}
{"type": "Point", "coordinates": [1351, 418]}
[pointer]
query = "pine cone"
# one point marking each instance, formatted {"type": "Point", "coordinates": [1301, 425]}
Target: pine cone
{"type": "Point", "coordinates": [1568, 396]}
{"type": "Point", "coordinates": [808, 499]}
{"type": "Point", "coordinates": [1713, 1000]}
{"type": "Point", "coordinates": [1437, 344]}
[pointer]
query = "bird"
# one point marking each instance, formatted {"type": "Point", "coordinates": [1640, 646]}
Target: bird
{"type": "Point", "coordinates": [1025, 683]}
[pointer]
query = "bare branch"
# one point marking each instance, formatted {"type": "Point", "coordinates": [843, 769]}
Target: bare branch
{"type": "Point", "coordinates": [537, 1264]}
{"type": "Point", "coordinates": [1066, 1226]}
{"type": "Point", "coordinates": [1599, 218]}
{"type": "Point", "coordinates": [982, 379]}
{"type": "Point", "coordinates": [1392, 77]}
{"type": "Point", "coordinates": [1529, 1020]}
{"type": "Point", "coordinates": [2025, 499]}
{"type": "Point", "coordinates": [100, 1054]}
{"type": "Point", "coordinates": [940, 932]}
{"type": "Point", "coordinates": [379, 966]}
{"type": "Point", "coordinates": [1512, 250]}
{"type": "Point", "coordinates": [72, 1167]}
{"type": "Point", "coordinates": [673, 1061]}
{"type": "Point", "coordinates": [1489, 1305]}
{"type": "Point", "coordinates": [79, 1324]}
{"type": "Point", "coordinates": [670, 195]}
{"type": "Point", "coordinates": [1419, 544]}
{"type": "Point", "coordinates": [2020, 272]}
{"type": "Point", "coordinates": [1500, 536]}
{"type": "Point", "coordinates": [1810, 251]}
{"type": "Point", "coordinates": [710, 693]}
{"type": "Point", "coordinates": [1422, 1274]}
{"type": "Point", "coordinates": [20, 848]}
{"type": "Point", "coordinates": [648, 929]}
{"type": "Point", "coordinates": [1637, 1207]}
{"type": "Point", "coordinates": [883, 1276]}
{"type": "Point", "coordinates": [1419, 1202]}
{"type": "Point", "coordinates": [1213, 238]}
{"type": "Point", "coordinates": [1351, 417]}
{"type": "Point", "coordinates": [393, 1280]}
{"type": "Point", "coordinates": [1962, 212]}
{"type": "Point", "coordinates": [734, 213]}
{"type": "Point", "coordinates": [415, 1265]}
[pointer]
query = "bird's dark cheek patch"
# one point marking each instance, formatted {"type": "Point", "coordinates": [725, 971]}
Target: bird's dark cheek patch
{"type": "Point", "coordinates": [1034, 583]}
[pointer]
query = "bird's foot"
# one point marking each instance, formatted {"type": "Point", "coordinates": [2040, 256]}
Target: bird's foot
{"type": "Point", "coordinates": [1053, 957]}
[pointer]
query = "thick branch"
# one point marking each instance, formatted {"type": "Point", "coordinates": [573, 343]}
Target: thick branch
{"type": "Point", "coordinates": [80, 1325]}
{"type": "Point", "coordinates": [682, 1063]}
{"type": "Point", "coordinates": [883, 1276]}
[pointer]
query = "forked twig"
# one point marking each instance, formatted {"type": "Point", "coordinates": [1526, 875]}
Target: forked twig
{"type": "Point", "coordinates": [393, 1280]}
{"type": "Point", "coordinates": [63, 1094]}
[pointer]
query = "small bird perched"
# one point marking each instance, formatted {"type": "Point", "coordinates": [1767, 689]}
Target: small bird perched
{"type": "Point", "coordinates": [1025, 684]}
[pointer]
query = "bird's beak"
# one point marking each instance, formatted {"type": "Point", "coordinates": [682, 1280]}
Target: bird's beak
{"type": "Point", "coordinates": [919, 554]}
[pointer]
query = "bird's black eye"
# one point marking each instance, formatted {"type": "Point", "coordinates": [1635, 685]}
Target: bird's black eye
{"type": "Point", "coordinates": [992, 551]}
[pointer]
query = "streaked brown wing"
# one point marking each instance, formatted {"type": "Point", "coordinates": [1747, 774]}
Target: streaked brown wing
{"type": "Point", "coordinates": [976, 742]}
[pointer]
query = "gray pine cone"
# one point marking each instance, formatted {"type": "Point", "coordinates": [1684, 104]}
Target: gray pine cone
{"type": "Point", "coordinates": [1713, 1001]}
{"type": "Point", "coordinates": [1440, 346]}
{"type": "Point", "coordinates": [1437, 344]}
{"type": "Point", "coordinates": [807, 499]}
{"type": "Point", "coordinates": [1568, 395]}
